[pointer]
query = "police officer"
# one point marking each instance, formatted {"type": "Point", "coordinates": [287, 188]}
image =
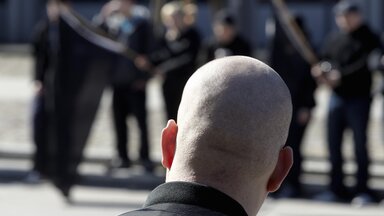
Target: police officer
{"type": "Point", "coordinates": [347, 74]}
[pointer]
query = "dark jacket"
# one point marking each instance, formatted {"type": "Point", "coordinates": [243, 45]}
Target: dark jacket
{"type": "Point", "coordinates": [177, 58]}
{"type": "Point", "coordinates": [41, 50]}
{"type": "Point", "coordinates": [213, 49]}
{"type": "Point", "coordinates": [292, 67]}
{"type": "Point", "coordinates": [182, 198]}
{"type": "Point", "coordinates": [135, 33]}
{"type": "Point", "coordinates": [349, 53]}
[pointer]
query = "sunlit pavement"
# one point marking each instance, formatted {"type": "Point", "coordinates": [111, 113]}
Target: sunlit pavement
{"type": "Point", "coordinates": [104, 193]}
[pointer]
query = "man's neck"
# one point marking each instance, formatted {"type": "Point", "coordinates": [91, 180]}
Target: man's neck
{"type": "Point", "coordinates": [235, 191]}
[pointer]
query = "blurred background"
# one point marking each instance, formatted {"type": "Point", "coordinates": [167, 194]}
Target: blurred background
{"type": "Point", "coordinates": [104, 188]}
{"type": "Point", "coordinates": [19, 17]}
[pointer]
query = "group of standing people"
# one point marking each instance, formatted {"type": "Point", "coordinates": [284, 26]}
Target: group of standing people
{"type": "Point", "coordinates": [344, 69]}
{"type": "Point", "coordinates": [176, 54]}
{"type": "Point", "coordinates": [172, 56]}
{"type": "Point", "coordinates": [346, 55]}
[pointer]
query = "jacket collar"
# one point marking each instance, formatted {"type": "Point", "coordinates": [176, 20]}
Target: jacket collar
{"type": "Point", "coordinates": [195, 194]}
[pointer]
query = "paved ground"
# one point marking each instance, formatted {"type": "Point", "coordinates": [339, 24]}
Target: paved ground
{"type": "Point", "coordinates": [103, 193]}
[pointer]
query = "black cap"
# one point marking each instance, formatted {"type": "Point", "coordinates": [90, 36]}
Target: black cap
{"type": "Point", "coordinates": [225, 17]}
{"type": "Point", "coordinates": [346, 6]}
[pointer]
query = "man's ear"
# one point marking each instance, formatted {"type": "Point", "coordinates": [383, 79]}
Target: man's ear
{"type": "Point", "coordinates": [281, 170]}
{"type": "Point", "coordinates": [168, 143]}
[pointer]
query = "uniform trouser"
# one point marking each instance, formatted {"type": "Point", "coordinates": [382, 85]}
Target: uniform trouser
{"type": "Point", "coordinates": [172, 91]}
{"type": "Point", "coordinates": [127, 101]}
{"type": "Point", "coordinates": [352, 113]}
{"type": "Point", "coordinates": [294, 140]}
{"type": "Point", "coordinates": [38, 133]}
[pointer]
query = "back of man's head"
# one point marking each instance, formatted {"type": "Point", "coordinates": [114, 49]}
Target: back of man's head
{"type": "Point", "coordinates": [233, 121]}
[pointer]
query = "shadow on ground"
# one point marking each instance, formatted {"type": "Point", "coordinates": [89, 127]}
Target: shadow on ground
{"type": "Point", "coordinates": [137, 178]}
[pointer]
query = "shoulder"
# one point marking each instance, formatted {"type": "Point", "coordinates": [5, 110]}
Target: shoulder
{"type": "Point", "coordinates": [140, 21]}
{"type": "Point", "coordinates": [336, 35]}
{"type": "Point", "coordinates": [40, 31]}
{"type": "Point", "coordinates": [209, 42]}
{"type": "Point", "coordinates": [139, 212]}
{"type": "Point", "coordinates": [367, 29]}
{"type": "Point", "coordinates": [334, 38]}
{"type": "Point", "coordinates": [42, 26]}
{"type": "Point", "coordinates": [240, 40]}
{"type": "Point", "coordinates": [173, 209]}
{"type": "Point", "coordinates": [369, 37]}
{"type": "Point", "coordinates": [192, 32]}
{"type": "Point", "coordinates": [372, 33]}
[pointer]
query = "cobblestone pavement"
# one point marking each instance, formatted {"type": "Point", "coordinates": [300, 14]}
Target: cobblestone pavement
{"type": "Point", "coordinates": [18, 198]}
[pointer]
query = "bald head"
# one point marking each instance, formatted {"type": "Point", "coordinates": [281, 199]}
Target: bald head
{"type": "Point", "coordinates": [233, 121]}
{"type": "Point", "coordinates": [236, 108]}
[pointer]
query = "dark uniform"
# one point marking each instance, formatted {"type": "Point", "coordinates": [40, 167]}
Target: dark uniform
{"type": "Point", "coordinates": [182, 198]}
{"type": "Point", "coordinates": [42, 53]}
{"type": "Point", "coordinates": [350, 101]}
{"type": "Point", "coordinates": [214, 49]}
{"type": "Point", "coordinates": [129, 88]}
{"type": "Point", "coordinates": [177, 60]}
{"type": "Point", "coordinates": [296, 73]}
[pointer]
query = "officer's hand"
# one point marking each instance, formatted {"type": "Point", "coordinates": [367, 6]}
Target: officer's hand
{"type": "Point", "coordinates": [158, 72]}
{"type": "Point", "coordinates": [38, 88]}
{"type": "Point", "coordinates": [318, 74]}
{"type": "Point", "coordinates": [334, 78]}
{"type": "Point", "coordinates": [303, 116]}
{"type": "Point", "coordinates": [143, 63]}
{"type": "Point", "coordinates": [140, 84]}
